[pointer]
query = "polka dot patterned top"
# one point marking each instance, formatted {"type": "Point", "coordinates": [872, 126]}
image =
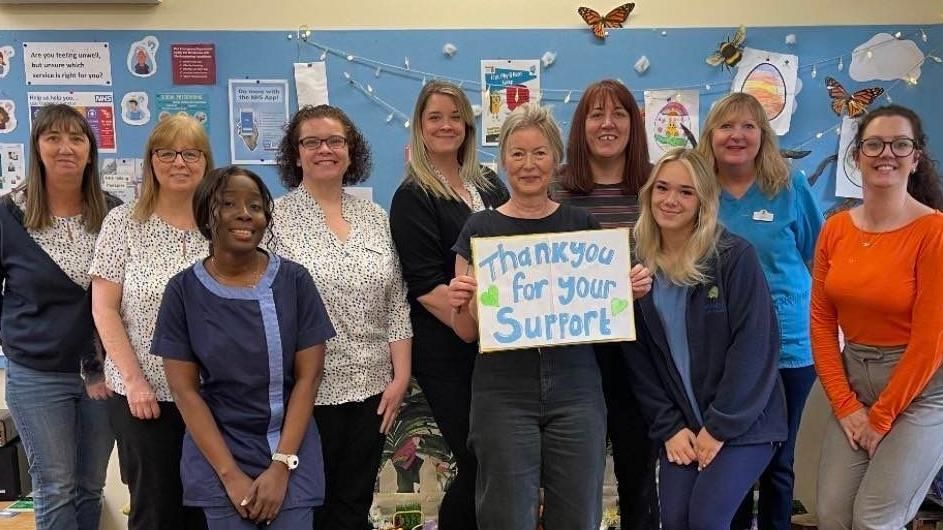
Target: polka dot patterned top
{"type": "Point", "coordinates": [142, 257]}
{"type": "Point", "coordinates": [362, 286]}
{"type": "Point", "coordinates": [66, 242]}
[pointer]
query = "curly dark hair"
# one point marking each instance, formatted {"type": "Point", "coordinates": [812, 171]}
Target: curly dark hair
{"type": "Point", "coordinates": [209, 195]}
{"type": "Point", "coordinates": [924, 183]}
{"type": "Point", "coordinates": [361, 162]}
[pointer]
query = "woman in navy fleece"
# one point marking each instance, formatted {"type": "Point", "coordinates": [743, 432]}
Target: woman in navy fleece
{"type": "Point", "coordinates": [704, 367]}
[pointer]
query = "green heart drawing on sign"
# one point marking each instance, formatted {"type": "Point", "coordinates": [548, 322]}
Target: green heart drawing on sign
{"type": "Point", "coordinates": [618, 305]}
{"type": "Point", "coordinates": [490, 297]}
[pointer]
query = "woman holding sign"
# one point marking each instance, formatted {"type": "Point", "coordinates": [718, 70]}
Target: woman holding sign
{"type": "Point", "coordinates": [705, 362]}
{"type": "Point", "coordinates": [444, 185]}
{"type": "Point", "coordinates": [773, 209]}
{"type": "Point", "coordinates": [607, 156]}
{"type": "Point", "coordinates": [537, 414]}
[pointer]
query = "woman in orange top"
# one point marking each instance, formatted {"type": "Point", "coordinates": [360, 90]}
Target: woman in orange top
{"type": "Point", "coordinates": [877, 276]}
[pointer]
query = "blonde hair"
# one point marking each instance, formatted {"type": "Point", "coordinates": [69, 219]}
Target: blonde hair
{"type": "Point", "coordinates": [772, 171]}
{"type": "Point", "coordinates": [169, 130]}
{"type": "Point", "coordinates": [691, 267]}
{"type": "Point", "coordinates": [532, 115]}
{"type": "Point", "coordinates": [420, 168]}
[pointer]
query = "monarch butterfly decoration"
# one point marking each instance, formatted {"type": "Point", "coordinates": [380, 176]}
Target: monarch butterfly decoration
{"type": "Point", "coordinates": [853, 105]}
{"type": "Point", "coordinates": [730, 51]}
{"type": "Point", "coordinates": [613, 19]}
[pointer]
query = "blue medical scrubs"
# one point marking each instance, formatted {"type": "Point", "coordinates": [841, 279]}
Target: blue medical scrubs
{"type": "Point", "coordinates": [244, 341]}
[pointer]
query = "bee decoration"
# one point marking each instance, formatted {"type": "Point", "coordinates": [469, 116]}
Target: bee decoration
{"type": "Point", "coordinates": [613, 19]}
{"type": "Point", "coordinates": [730, 51]}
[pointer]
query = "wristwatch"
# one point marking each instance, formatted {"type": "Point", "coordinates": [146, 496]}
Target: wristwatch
{"type": "Point", "coordinates": [289, 460]}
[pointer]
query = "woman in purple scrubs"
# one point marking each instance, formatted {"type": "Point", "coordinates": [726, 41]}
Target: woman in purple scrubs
{"type": "Point", "coordinates": [242, 335]}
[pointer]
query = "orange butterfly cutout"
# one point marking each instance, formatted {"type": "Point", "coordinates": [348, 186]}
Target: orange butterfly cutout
{"type": "Point", "coordinates": [853, 105]}
{"type": "Point", "coordinates": [613, 19]}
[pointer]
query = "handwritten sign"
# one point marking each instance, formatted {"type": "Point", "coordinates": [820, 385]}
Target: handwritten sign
{"type": "Point", "coordinates": [67, 63]}
{"type": "Point", "coordinates": [553, 289]}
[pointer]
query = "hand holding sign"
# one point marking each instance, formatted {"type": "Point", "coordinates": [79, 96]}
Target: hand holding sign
{"type": "Point", "coordinates": [553, 289]}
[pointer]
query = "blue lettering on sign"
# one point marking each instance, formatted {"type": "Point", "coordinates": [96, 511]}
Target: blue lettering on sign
{"type": "Point", "coordinates": [503, 77]}
{"type": "Point", "coordinates": [576, 253]}
{"type": "Point", "coordinates": [552, 326]}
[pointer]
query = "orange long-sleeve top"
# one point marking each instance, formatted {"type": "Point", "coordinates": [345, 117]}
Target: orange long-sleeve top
{"type": "Point", "coordinates": [883, 289]}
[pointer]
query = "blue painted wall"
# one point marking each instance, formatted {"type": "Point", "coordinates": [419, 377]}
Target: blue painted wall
{"type": "Point", "coordinates": [676, 55]}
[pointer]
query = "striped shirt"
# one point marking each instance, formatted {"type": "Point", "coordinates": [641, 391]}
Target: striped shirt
{"type": "Point", "coordinates": [606, 202]}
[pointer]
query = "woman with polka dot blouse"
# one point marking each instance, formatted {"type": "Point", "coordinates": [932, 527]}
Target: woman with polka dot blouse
{"type": "Point", "coordinates": [141, 246]}
{"type": "Point", "coordinates": [345, 244]}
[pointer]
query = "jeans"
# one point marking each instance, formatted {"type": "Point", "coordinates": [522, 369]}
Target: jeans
{"type": "Point", "coordinates": [777, 482]}
{"type": "Point", "coordinates": [708, 499]}
{"type": "Point", "coordinates": [538, 419]}
{"type": "Point", "coordinates": [68, 443]}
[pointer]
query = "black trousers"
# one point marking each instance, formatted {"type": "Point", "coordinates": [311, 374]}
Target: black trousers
{"type": "Point", "coordinates": [352, 446]}
{"type": "Point", "coordinates": [633, 453]}
{"type": "Point", "coordinates": [149, 456]}
{"type": "Point", "coordinates": [447, 387]}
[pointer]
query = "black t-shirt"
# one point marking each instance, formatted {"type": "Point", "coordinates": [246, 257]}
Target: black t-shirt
{"type": "Point", "coordinates": [424, 228]}
{"type": "Point", "coordinates": [491, 223]}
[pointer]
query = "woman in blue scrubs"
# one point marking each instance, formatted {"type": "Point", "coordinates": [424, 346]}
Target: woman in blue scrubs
{"type": "Point", "coordinates": [242, 335]}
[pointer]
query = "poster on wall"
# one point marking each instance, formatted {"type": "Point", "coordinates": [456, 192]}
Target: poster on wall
{"type": "Point", "coordinates": [12, 167]}
{"type": "Point", "coordinates": [506, 85]}
{"type": "Point", "coordinates": [771, 79]}
{"type": "Point", "coordinates": [7, 116]}
{"type": "Point", "coordinates": [6, 59]}
{"type": "Point", "coordinates": [193, 64]}
{"type": "Point", "coordinates": [847, 175]}
{"type": "Point", "coordinates": [135, 108]}
{"type": "Point", "coordinates": [196, 105]}
{"type": "Point", "coordinates": [67, 63]}
{"type": "Point", "coordinates": [142, 57]}
{"type": "Point", "coordinates": [122, 177]}
{"type": "Point", "coordinates": [258, 109]}
{"type": "Point", "coordinates": [311, 84]}
{"type": "Point", "coordinates": [667, 114]}
{"type": "Point", "coordinates": [97, 107]}
{"type": "Point", "coordinates": [552, 289]}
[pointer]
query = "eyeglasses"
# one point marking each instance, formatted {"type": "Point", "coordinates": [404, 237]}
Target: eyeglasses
{"type": "Point", "coordinates": [191, 156]}
{"type": "Point", "coordinates": [313, 142]}
{"type": "Point", "coordinates": [900, 147]}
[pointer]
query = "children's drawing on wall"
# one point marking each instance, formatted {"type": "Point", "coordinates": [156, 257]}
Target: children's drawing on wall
{"type": "Point", "coordinates": [258, 111]}
{"type": "Point", "coordinates": [667, 114]}
{"type": "Point", "coordinates": [848, 104]}
{"type": "Point", "coordinates": [6, 58]}
{"type": "Point", "coordinates": [7, 116]}
{"type": "Point", "coordinates": [771, 79]}
{"type": "Point", "coordinates": [135, 109]}
{"type": "Point", "coordinates": [142, 57]}
{"type": "Point", "coordinates": [884, 57]}
{"type": "Point", "coordinates": [847, 175]}
{"type": "Point", "coordinates": [508, 85]}
{"type": "Point", "coordinates": [12, 167]}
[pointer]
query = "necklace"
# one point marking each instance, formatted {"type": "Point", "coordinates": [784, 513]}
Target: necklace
{"type": "Point", "coordinates": [240, 282]}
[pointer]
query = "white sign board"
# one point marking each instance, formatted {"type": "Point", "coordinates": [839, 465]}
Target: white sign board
{"type": "Point", "coordinates": [67, 63]}
{"type": "Point", "coordinates": [553, 289]}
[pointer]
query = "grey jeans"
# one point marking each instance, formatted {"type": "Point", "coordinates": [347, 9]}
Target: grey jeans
{"type": "Point", "coordinates": [884, 492]}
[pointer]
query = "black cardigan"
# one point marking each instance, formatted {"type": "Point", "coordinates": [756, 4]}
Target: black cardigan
{"type": "Point", "coordinates": [733, 339]}
{"type": "Point", "coordinates": [45, 318]}
{"type": "Point", "coordinates": [424, 228]}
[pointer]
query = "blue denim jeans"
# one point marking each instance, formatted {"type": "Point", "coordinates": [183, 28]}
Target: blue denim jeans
{"type": "Point", "coordinates": [538, 419]}
{"type": "Point", "coordinates": [68, 441]}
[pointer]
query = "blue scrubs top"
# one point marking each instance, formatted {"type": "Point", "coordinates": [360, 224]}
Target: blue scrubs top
{"type": "Point", "coordinates": [244, 341]}
{"type": "Point", "coordinates": [783, 230]}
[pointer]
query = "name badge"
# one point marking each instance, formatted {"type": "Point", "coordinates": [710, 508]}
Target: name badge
{"type": "Point", "coordinates": [764, 216]}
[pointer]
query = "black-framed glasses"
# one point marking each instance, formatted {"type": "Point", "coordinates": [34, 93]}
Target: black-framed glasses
{"type": "Point", "coordinates": [190, 156]}
{"type": "Point", "coordinates": [900, 147]}
{"type": "Point", "coordinates": [313, 142]}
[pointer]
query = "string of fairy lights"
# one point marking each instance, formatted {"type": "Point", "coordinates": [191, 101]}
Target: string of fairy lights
{"type": "Point", "coordinates": [567, 95]}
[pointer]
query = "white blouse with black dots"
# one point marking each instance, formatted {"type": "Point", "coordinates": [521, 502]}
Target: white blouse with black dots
{"type": "Point", "coordinates": [362, 286]}
{"type": "Point", "coordinates": [66, 242]}
{"type": "Point", "coordinates": [142, 257]}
